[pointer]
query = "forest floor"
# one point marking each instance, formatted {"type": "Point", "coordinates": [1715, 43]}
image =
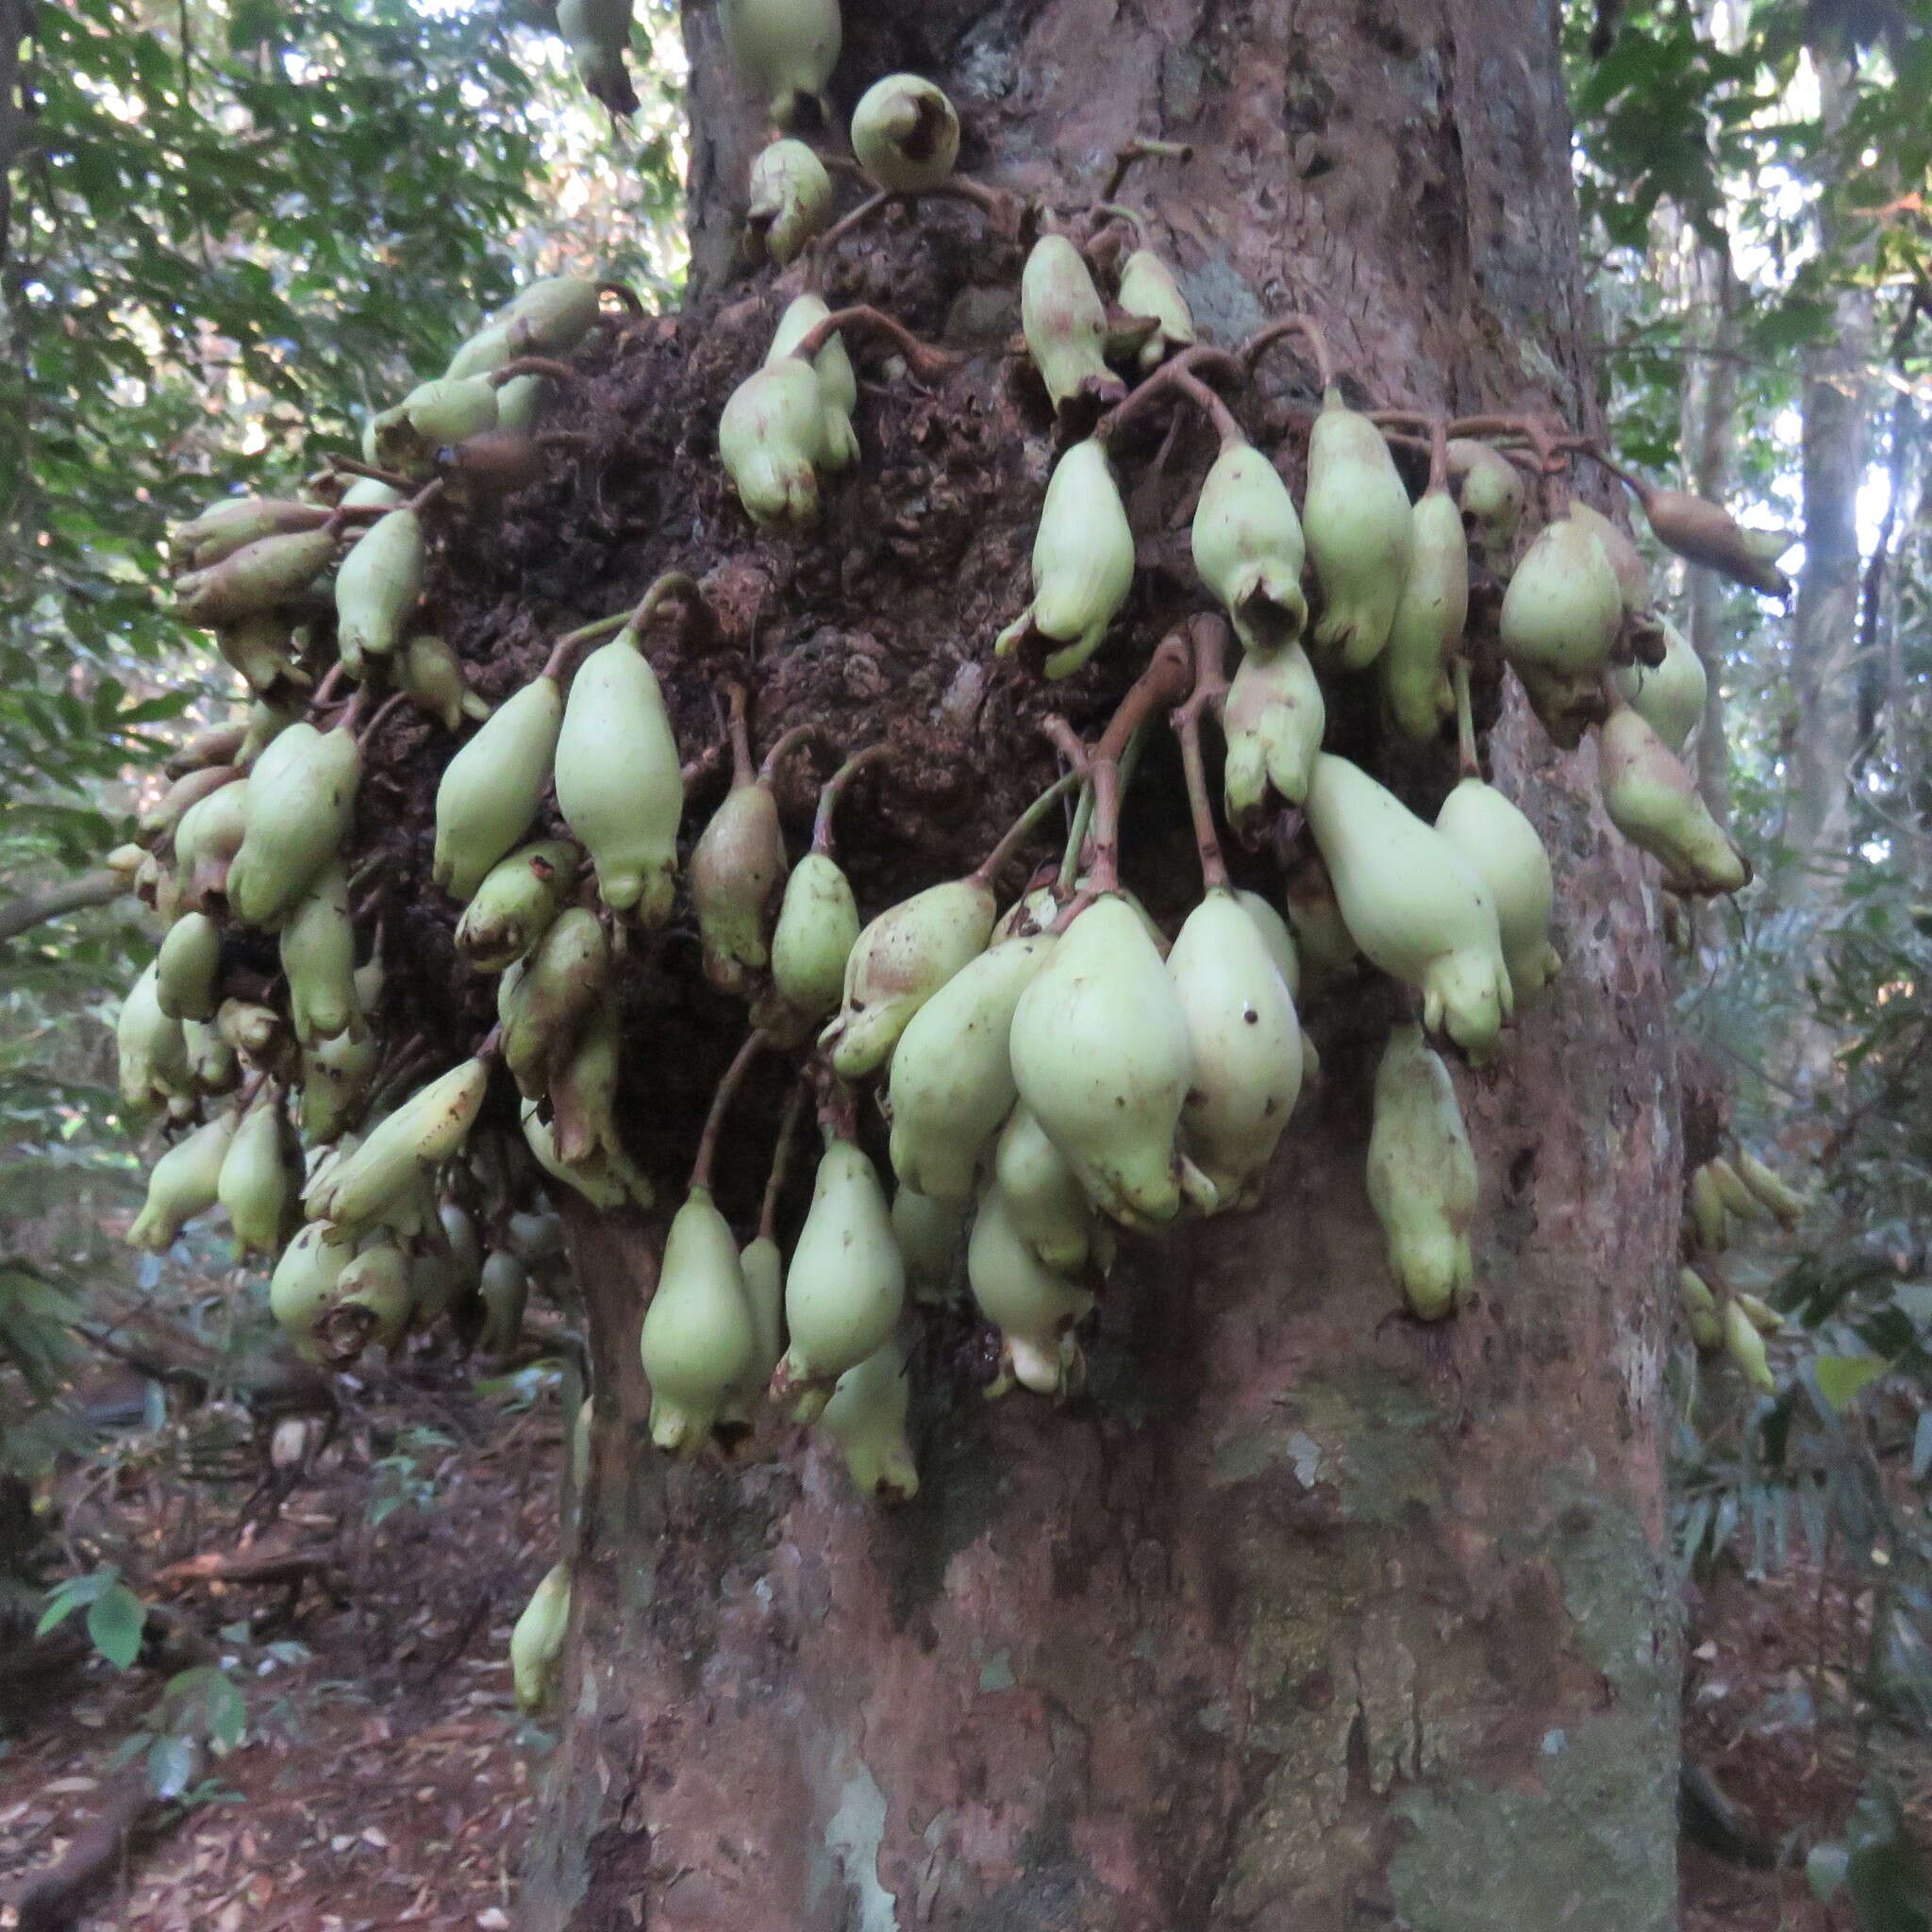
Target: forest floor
{"type": "Point", "coordinates": [387, 1780]}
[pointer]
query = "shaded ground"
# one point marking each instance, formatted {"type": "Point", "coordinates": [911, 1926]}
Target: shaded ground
{"type": "Point", "coordinates": [388, 1780]}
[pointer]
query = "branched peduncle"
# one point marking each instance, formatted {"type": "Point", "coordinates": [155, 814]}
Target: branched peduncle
{"type": "Point", "coordinates": [559, 662]}
{"type": "Point", "coordinates": [1180, 374]}
{"type": "Point", "coordinates": [1210, 638]}
{"type": "Point", "coordinates": [1165, 682]}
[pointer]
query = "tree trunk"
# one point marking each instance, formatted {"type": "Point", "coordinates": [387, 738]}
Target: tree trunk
{"type": "Point", "coordinates": [1710, 400]}
{"type": "Point", "coordinates": [1300, 1615]}
{"type": "Point", "coordinates": [1824, 734]}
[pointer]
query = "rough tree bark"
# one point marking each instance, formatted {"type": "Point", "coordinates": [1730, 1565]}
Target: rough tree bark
{"type": "Point", "coordinates": [1298, 1617]}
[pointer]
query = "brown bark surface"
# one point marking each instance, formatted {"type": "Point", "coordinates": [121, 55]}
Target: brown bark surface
{"type": "Point", "coordinates": [1299, 1616]}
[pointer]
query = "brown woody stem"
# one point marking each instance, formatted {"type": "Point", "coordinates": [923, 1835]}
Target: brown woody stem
{"type": "Point", "coordinates": [988, 867]}
{"type": "Point", "coordinates": [768, 769]}
{"type": "Point", "coordinates": [743, 769]}
{"type": "Point", "coordinates": [530, 365]}
{"type": "Point", "coordinates": [926, 359]}
{"type": "Point", "coordinates": [1469, 763]}
{"type": "Point", "coordinates": [561, 651]}
{"type": "Point", "coordinates": [781, 1160]}
{"type": "Point", "coordinates": [1310, 332]}
{"type": "Point", "coordinates": [632, 300]}
{"type": "Point", "coordinates": [1180, 374]}
{"type": "Point", "coordinates": [1132, 151]}
{"type": "Point", "coordinates": [1210, 639]}
{"type": "Point", "coordinates": [1165, 682]}
{"type": "Point", "coordinates": [721, 1100]}
{"type": "Point", "coordinates": [833, 790]}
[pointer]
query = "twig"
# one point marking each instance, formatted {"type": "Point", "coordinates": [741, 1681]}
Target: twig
{"type": "Point", "coordinates": [721, 1100]}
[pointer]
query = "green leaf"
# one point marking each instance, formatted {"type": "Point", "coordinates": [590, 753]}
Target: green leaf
{"type": "Point", "coordinates": [115, 1621]}
{"type": "Point", "coordinates": [1841, 1377]}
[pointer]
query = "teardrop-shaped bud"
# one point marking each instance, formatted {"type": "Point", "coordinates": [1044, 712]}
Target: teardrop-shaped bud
{"type": "Point", "coordinates": [517, 903]}
{"type": "Point", "coordinates": [1272, 720]}
{"type": "Point", "coordinates": [250, 1028]}
{"type": "Point", "coordinates": [1563, 608]}
{"type": "Point", "coordinates": [214, 1065]}
{"type": "Point", "coordinates": [188, 967]}
{"type": "Point", "coordinates": [1065, 325]}
{"type": "Point", "coordinates": [1248, 548]}
{"type": "Point", "coordinates": [266, 723]}
{"type": "Point", "coordinates": [535, 1642]}
{"type": "Point", "coordinates": [1246, 1044]}
{"type": "Point", "coordinates": [1101, 1059]}
{"type": "Point", "coordinates": [336, 1077]}
{"type": "Point", "coordinates": [228, 525]}
{"type": "Point", "coordinates": [189, 790]}
{"type": "Point", "coordinates": [1655, 803]}
{"type": "Point", "coordinates": [184, 1182]}
{"type": "Point", "coordinates": [432, 675]}
{"type": "Point", "coordinates": [371, 1307]}
{"type": "Point", "coordinates": [544, 1003]}
{"type": "Point", "coordinates": [1669, 697]}
{"type": "Point", "coordinates": [553, 314]}
{"type": "Point", "coordinates": [425, 1130]}
{"type": "Point", "coordinates": [697, 1335]}
{"type": "Point", "coordinates": [1706, 533]}
{"type": "Point", "coordinates": [866, 1417]}
{"type": "Point", "coordinates": [772, 434]}
{"type": "Point", "coordinates": [1503, 846]}
{"type": "Point", "coordinates": [904, 133]}
{"type": "Point", "coordinates": [1413, 905]}
{"type": "Point", "coordinates": [928, 1234]}
{"type": "Point", "coordinates": [254, 578]}
{"type": "Point", "coordinates": [301, 800]}
{"type": "Point", "coordinates": [1626, 563]}
{"type": "Point", "coordinates": [1490, 492]}
{"type": "Point", "coordinates": [786, 49]}
{"type": "Point", "coordinates": [257, 1187]}
{"type": "Point", "coordinates": [504, 1288]}
{"type": "Point", "coordinates": [951, 1078]}
{"type": "Point", "coordinates": [1277, 937]}
{"type": "Point", "coordinates": [818, 926]}
{"type": "Point", "coordinates": [607, 1179]}
{"type": "Point", "coordinates": [618, 784]}
{"type": "Point", "coordinates": [519, 402]}
{"type": "Point", "coordinates": [762, 1266]}
{"type": "Point", "coordinates": [1428, 621]}
{"type": "Point", "coordinates": [1360, 530]}
{"type": "Point", "coordinates": [1034, 1308]}
{"type": "Point", "coordinates": [583, 1088]}
{"type": "Point", "coordinates": [1422, 1177]}
{"type": "Point", "coordinates": [257, 649]}
{"type": "Point", "coordinates": [491, 789]}
{"type": "Point", "coordinates": [319, 960]}
{"type": "Point", "coordinates": [1083, 562]}
{"type": "Point", "coordinates": [791, 199]}
{"type": "Point", "coordinates": [433, 413]}
{"type": "Point", "coordinates": [379, 586]}
{"type": "Point", "coordinates": [897, 963]}
{"type": "Point", "coordinates": [1044, 1201]}
{"type": "Point", "coordinates": [736, 869]}
{"type": "Point", "coordinates": [303, 1282]}
{"type": "Point", "coordinates": [598, 35]}
{"type": "Point", "coordinates": [846, 1282]}
{"type": "Point", "coordinates": [837, 385]}
{"type": "Point", "coordinates": [1745, 1346]}
{"type": "Point", "coordinates": [1148, 288]}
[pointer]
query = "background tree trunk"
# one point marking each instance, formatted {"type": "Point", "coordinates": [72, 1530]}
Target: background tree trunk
{"type": "Point", "coordinates": [1299, 1616]}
